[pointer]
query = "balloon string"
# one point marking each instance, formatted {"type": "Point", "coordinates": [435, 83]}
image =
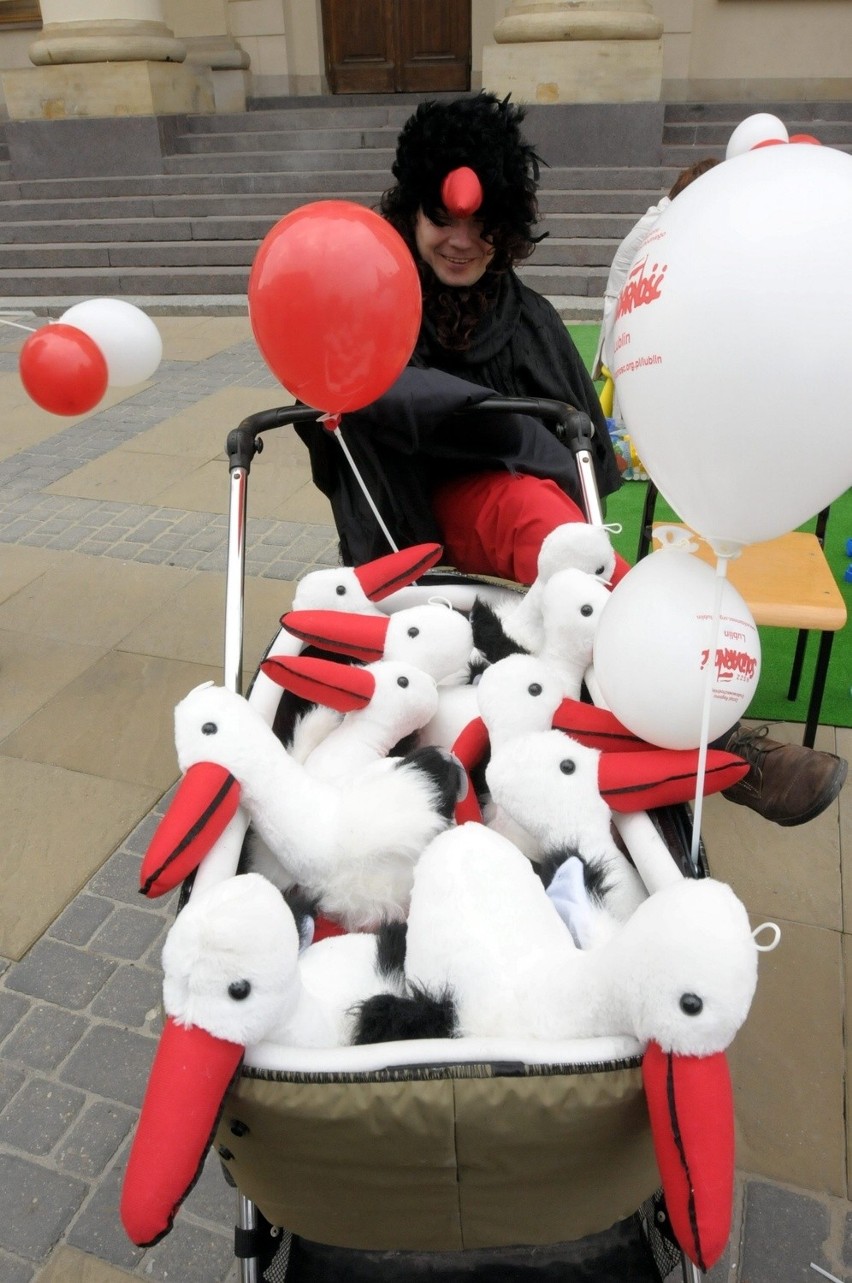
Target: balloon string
{"type": "Point", "coordinates": [18, 325]}
{"type": "Point", "coordinates": [701, 771]}
{"type": "Point", "coordinates": [361, 482]}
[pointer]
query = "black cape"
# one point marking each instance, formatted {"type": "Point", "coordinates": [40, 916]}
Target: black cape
{"type": "Point", "coordinates": [417, 433]}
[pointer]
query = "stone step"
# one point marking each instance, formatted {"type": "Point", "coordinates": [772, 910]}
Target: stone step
{"type": "Point", "coordinates": [681, 157]}
{"type": "Point", "coordinates": [290, 140]}
{"type": "Point", "coordinates": [553, 280]}
{"type": "Point", "coordinates": [176, 253]}
{"type": "Point", "coordinates": [375, 160]}
{"type": "Point", "coordinates": [109, 283]}
{"type": "Point", "coordinates": [734, 112]}
{"type": "Point", "coordinates": [715, 135]}
{"type": "Point", "coordinates": [321, 116]}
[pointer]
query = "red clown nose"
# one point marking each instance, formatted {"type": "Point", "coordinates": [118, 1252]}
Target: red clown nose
{"type": "Point", "coordinates": [461, 192]}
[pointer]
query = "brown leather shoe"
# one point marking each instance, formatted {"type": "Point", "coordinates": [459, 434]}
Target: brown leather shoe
{"type": "Point", "coordinates": [787, 783]}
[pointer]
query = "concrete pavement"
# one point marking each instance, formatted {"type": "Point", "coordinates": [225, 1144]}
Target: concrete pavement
{"type": "Point", "coordinates": [112, 551]}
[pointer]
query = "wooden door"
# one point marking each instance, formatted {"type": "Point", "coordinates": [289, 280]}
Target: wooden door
{"type": "Point", "coordinates": [396, 46]}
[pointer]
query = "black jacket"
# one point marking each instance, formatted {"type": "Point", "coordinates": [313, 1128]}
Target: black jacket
{"type": "Point", "coordinates": [417, 433]}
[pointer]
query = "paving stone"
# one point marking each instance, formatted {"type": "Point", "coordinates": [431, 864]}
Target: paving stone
{"type": "Point", "coordinates": [98, 1230]}
{"type": "Point", "coordinates": [79, 922]}
{"type": "Point", "coordinates": [11, 1080]}
{"type": "Point", "coordinates": [12, 1008]}
{"type": "Point", "coordinates": [39, 1116]}
{"type": "Point", "coordinates": [60, 974]}
{"type": "Point", "coordinates": [784, 1233]}
{"type": "Point", "coordinates": [191, 1254]}
{"type": "Point", "coordinates": [139, 840]}
{"type": "Point", "coordinates": [95, 1138]}
{"type": "Point", "coordinates": [118, 879]}
{"type": "Point", "coordinates": [45, 1037]}
{"type": "Point", "coordinates": [35, 1206]}
{"type": "Point", "coordinates": [212, 1198]}
{"type": "Point", "coordinates": [14, 1270]}
{"type": "Point", "coordinates": [112, 1063]}
{"type": "Point", "coordinates": [127, 933]}
{"type": "Point", "coordinates": [131, 996]}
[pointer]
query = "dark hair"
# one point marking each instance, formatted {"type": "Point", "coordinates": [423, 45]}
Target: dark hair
{"type": "Point", "coordinates": [483, 133]}
{"type": "Point", "coordinates": [687, 176]}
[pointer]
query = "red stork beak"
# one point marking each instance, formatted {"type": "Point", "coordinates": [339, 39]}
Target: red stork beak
{"type": "Point", "coordinates": [189, 1078]}
{"type": "Point", "coordinates": [202, 808]}
{"type": "Point", "coordinates": [663, 776]}
{"type": "Point", "coordinates": [461, 192]}
{"type": "Point", "coordinates": [323, 681]}
{"type": "Point", "coordinates": [691, 1107]}
{"type": "Point", "coordinates": [595, 727]}
{"type": "Point", "coordinates": [385, 575]}
{"type": "Point", "coordinates": [469, 749]}
{"type": "Point", "coordinates": [361, 636]}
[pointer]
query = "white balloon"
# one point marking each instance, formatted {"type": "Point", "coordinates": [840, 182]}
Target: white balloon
{"type": "Point", "coordinates": [128, 338]}
{"type": "Point", "coordinates": [654, 640]}
{"type": "Point", "coordinates": [726, 339]}
{"type": "Point", "coordinates": [760, 128]}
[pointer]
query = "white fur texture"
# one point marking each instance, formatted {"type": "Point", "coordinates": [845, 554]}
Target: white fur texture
{"type": "Point", "coordinates": [572, 604]}
{"type": "Point", "coordinates": [434, 638]}
{"type": "Point", "coordinates": [482, 924]}
{"type": "Point", "coordinates": [352, 845]}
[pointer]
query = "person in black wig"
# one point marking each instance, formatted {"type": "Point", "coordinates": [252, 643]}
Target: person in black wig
{"type": "Point", "coordinates": [489, 487]}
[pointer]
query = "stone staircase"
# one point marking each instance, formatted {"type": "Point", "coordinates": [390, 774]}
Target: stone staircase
{"type": "Point", "coordinates": [191, 233]}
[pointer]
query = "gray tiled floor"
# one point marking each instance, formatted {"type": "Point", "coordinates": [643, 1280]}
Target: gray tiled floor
{"type": "Point", "coordinates": [79, 1010]}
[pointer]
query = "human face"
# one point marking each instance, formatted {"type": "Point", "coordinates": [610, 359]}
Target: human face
{"type": "Point", "coordinates": [455, 251]}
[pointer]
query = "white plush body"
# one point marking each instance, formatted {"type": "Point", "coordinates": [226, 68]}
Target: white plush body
{"type": "Point", "coordinates": [482, 927]}
{"type": "Point", "coordinates": [575, 544]}
{"type": "Point", "coordinates": [572, 603]}
{"type": "Point", "coordinates": [548, 784]}
{"type": "Point", "coordinates": [403, 700]}
{"type": "Point", "coordinates": [240, 932]}
{"type": "Point", "coordinates": [352, 845]}
{"type": "Point", "coordinates": [434, 638]}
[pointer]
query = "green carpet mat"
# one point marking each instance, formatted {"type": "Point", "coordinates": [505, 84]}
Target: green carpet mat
{"type": "Point", "coordinates": [770, 702]}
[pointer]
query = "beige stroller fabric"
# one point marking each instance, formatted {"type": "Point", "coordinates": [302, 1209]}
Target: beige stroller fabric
{"type": "Point", "coordinates": [441, 1159]}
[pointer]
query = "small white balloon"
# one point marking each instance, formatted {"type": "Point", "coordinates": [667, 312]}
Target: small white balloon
{"type": "Point", "coordinates": [656, 638]}
{"type": "Point", "coordinates": [129, 339]}
{"type": "Point", "coordinates": [754, 130]}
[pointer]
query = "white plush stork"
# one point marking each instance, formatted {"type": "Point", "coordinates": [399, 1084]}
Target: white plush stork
{"type": "Point", "coordinates": [519, 625]}
{"type": "Point", "coordinates": [233, 977]}
{"type": "Point", "coordinates": [431, 636]}
{"type": "Point", "coordinates": [679, 976]}
{"type": "Point", "coordinates": [381, 704]}
{"type": "Point", "coordinates": [351, 846]}
{"type": "Point", "coordinates": [359, 587]}
{"type": "Point", "coordinates": [572, 604]}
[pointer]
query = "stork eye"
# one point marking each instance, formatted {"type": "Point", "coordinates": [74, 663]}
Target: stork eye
{"type": "Point", "coordinates": [413, 632]}
{"type": "Point", "coordinates": [568, 766]}
{"type": "Point", "coordinates": [402, 681]}
{"type": "Point", "coordinates": [341, 590]}
{"type": "Point", "coordinates": [587, 610]}
{"type": "Point", "coordinates": [691, 1004]}
{"type": "Point", "coordinates": [534, 688]}
{"type": "Point", "coordinates": [209, 728]}
{"type": "Point", "coordinates": [600, 570]}
{"type": "Point", "coordinates": [239, 989]}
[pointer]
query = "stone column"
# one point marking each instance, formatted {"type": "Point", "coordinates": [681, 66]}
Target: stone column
{"type": "Point", "coordinates": [106, 58]}
{"type": "Point", "coordinates": [576, 51]}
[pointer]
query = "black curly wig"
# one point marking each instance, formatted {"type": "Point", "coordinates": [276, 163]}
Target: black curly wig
{"type": "Point", "coordinates": [483, 133]}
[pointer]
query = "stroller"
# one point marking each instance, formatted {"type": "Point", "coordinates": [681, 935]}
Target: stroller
{"type": "Point", "coordinates": [430, 1159]}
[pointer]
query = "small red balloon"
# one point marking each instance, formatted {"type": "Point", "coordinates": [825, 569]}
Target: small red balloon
{"type": "Point", "coordinates": [805, 138]}
{"type": "Point", "coordinates": [63, 370]}
{"type": "Point", "coordinates": [769, 142]}
{"type": "Point", "coordinates": [334, 303]}
{"type": "Point", "coordinates": [461, 192]}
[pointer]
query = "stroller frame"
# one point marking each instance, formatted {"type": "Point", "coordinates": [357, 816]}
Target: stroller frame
{"type": "Point", "coordinates": [243, 443]}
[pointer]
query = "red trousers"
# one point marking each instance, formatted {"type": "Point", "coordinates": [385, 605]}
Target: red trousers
{"type": "Point", "coordinates": [493, 523]}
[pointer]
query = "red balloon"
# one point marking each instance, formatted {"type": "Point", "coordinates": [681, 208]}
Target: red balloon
{"type": "Point", "coordinates": [63, 370]}
{"type": "Point", "coordinates": [805, 138]}
{"type": "Point", "coordinates": [334, 303]}
{"type": "Point", "coordinates": [461, 192]}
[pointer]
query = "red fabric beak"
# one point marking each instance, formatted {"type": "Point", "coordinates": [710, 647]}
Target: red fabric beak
{"type": "Point", "coordinates": [190, 1075]}
{"type": "Point", "coordinates": [361, 636]}
{"type": "Point", "coordinates": [323, 681]}
{"type": "Point", "coordinates": [470, 748]}
{"type": "Point", "coordinates": [691, 1107]}
{"type": "Point", "coordinates": [663, 776]}
{"type": "Point", "coordinates": [461, 192]}
{"type": "Point", "coordinates": [385, 575]}
{"type": "Point", "coordinates": [595, 727]}
{"type": "Point", "coordinates": [202, 808]}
